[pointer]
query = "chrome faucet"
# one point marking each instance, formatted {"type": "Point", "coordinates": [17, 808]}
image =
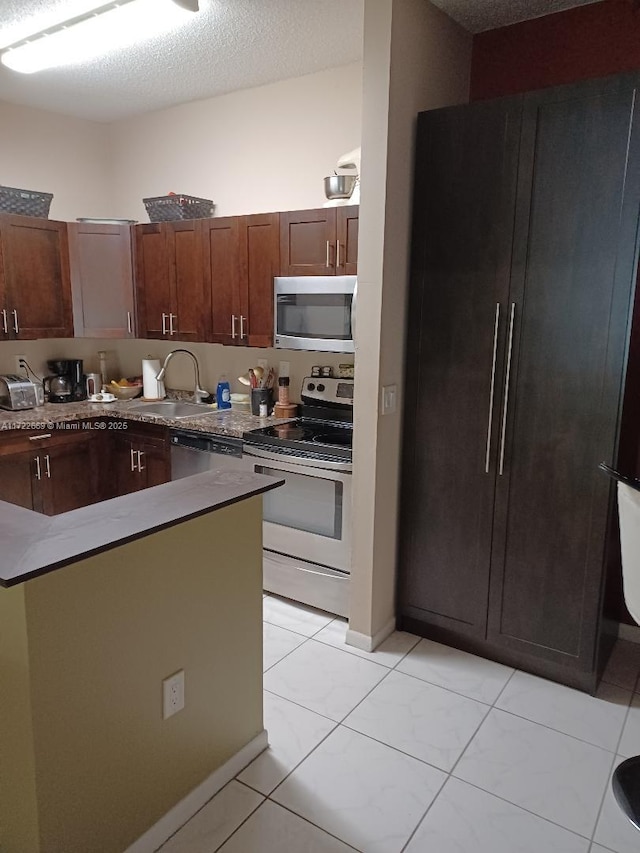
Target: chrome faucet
{"type": "Point", "coordinates": [198, 393]}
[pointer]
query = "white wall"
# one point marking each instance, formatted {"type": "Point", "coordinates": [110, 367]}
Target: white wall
{"type": "Point", "coordinates": [253, 151]}
{"type": "Point", "coordinates": [68, 157]}
{"type": "Point", "coordinates": [415, 58]}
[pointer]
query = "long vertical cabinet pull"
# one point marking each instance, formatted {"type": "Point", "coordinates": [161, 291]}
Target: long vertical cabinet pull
{"type": "Point", "coordinates": [507, 383]}
{"type": "Point", "coordinates": [133, 460]}
{"type": "Point", "coordinates": [172, 331]}
{"type": "Point", "coordinates": [5, 325]}
{"type": "Point", "coordinates": [47, 466]}
{"type": "Point", "coordinates": [493, 388]}
{"type": "Point", "coordinates": [16, 326]}
{"type": "Point", "coordinates": [242, 319]}
{"type": "Point", "coordinates": [164, 324]}
{"type": "Point", "coordinates": [36, 459]}
{"type": "Point", "coordinates": [233, 327]}
{"type": "Point", "coordinates": [129, 323]}
{"type": "Point", "coordinates": [140, 454]}
{"type": "Point", "coordinates": [328, 259]}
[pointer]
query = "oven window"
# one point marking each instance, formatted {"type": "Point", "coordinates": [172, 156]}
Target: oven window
{"type": "Point", "coordinates": [312, 504]}
{"type": "Point", "coordinates": [315, 315]}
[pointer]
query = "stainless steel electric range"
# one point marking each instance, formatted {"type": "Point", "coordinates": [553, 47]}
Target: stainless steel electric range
{"type": "Point", "coordinates": [307, 522]}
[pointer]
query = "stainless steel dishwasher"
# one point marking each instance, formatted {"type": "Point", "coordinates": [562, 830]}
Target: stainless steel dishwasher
{"type": "Point", "coordinates": [195, 453]}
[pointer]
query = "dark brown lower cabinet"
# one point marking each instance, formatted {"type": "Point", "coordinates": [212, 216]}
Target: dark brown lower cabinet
{"type": "Point", "coordinates": [52, 472]}
{"type": "Point", "coordinates": [140, 458]}
{"type": "Point", "coordinates": [523, 275]}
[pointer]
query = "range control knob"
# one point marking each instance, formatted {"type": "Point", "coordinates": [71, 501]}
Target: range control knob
{"type": "Point", "coordinates": [321, 388]}
{"type": "Point", "coordinates": [311, 386]}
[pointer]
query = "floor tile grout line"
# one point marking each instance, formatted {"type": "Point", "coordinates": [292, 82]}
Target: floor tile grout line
{"type": "Point", "coordinates": [290, 652]}
{"type": "Point", "coordinates": [426, 812]}
{"type": "Point", "coordinates": [311, 823]}
{"type": "Point", "coordinates": [251, 813]}
{"type": "Point", "coordinates": [615, 755]}
{"type": "Point", "coordinates": [304, 707]}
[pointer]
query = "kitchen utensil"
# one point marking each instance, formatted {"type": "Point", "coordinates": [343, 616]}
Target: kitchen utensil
{"type": "Point", "coordinates": [339, 186]}
{"type": "Point", "coordinates": [253, 378]}
{"type": "Point", "coordinates": [259, 374]}
{"type": "Point", "coordinates": [245, 380]}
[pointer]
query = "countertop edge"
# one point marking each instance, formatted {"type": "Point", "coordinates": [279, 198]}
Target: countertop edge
{"type": "Point", "coordinates": [29, 537]}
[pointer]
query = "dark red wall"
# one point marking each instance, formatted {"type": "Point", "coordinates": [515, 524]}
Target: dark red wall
{"type": "Point", "coordinates": [588, 41]}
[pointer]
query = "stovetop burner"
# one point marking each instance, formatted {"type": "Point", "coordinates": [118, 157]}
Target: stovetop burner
{"type": "Point", "coordinates": [306, 436]}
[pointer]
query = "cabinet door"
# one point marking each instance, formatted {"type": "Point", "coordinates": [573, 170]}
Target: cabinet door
{"type": "Point", "coordinates": [5, 327]}
{"type": "Point", "coordinates": [101, 280]}
{"type": "Point", "coordinates": [191, 299]}
{"type": "Point", "coordinates": [69, 472]}
{"type": "Point", "coordinates": [466, 170]}
{"type": "Point", "coordinates": [36, 271]}
{"type": "Point", "coordinates": [260, 263]}
{"type": "Point", "coordinates": [307, 242]}
{"type": "Point", "coordinates": [221, 248]}
{"type": "Point", "coordinates": [154, 464]}
{"type": "Point", "coordinates": [153, 290]}
{"type": "Point", "coordinates": [347, 239]}
{"type": "Point", "coordinates": [574, 266]}
{"type": "Point", "coordinates": [124, 467]}
{"type": "Point", "coordinates": [17, 480]}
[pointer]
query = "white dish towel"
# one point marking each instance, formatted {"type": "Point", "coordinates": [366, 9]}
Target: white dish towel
{"type": "Point", "coordinates": [629, 509]}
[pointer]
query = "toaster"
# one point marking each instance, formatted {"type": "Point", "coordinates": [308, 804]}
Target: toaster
{"type": "Point", "coordinates": [18, 393]}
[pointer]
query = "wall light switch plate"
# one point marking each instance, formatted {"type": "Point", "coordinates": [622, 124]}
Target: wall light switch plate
{"type": "Point", "coordinates": [173, 694]}
{"type": "Point", "coordinates": [263, 363]}
{"type": "Point", "coordinates": [389, 399]}
{"type": "Point", "coordinates": [284, 368]}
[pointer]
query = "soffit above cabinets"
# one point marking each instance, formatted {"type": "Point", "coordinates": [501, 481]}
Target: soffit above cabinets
{"type": "Point", "coordinates": [479, 15]}
{"type": "Point", "coordinates": [229, 45]}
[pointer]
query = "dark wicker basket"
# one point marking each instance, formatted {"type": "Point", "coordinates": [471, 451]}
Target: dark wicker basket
{"type": "Point", "coordinates": [169, 208]}
{"type": "Point", "coordinates": [25, 202]}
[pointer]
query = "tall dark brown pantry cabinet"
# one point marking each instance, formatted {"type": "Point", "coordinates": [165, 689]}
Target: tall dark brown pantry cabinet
{"type": "Point", "coordinates": [523, 273]}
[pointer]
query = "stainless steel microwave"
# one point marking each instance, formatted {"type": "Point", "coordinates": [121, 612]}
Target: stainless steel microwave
{"type": "Point", "coordinates": [315, 312]}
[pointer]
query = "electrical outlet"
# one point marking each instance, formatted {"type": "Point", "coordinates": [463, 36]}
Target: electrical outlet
{"type": "Point", "coordinates": [173, 694]}
{"type": "Point", "coordinates": [389, 399]}
{"type": "Point", "coordinates": [284, 369]}
{"type": "Point", "coordinates": [263, 363]}
{"type": "Point", "coordinates": [19, 368]}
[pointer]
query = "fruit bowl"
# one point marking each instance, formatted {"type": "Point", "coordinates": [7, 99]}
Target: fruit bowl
{"type": "Point", "coordinates": [124, 392]}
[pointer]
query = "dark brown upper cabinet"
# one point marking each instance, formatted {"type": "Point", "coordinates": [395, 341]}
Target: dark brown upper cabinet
{"type": "Point", "coordinates": [172, 299]}
{"type": "Point", "coordinates": [323, 241]}
{"type": "Point", "coordinates": [35, 286]}
{"type": "Point", "coordinates": [102, 280]}
{"type": "Point", "coordinates": [241, 258]}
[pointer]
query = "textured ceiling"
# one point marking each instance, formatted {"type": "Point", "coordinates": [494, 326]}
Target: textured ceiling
{"type": "Point", "coordinates": [479, 15]}
{"type": "Point", "coordinates": [228, 45]}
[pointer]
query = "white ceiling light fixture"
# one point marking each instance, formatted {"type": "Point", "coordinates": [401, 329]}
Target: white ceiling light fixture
{"type": "Point", "coordinates": [113, 26]}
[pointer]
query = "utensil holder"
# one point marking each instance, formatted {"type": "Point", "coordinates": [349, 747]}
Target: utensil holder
{"type": "Point", "coordinates": [261, 395]}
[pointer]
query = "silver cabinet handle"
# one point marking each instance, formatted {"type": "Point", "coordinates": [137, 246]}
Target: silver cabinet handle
{"type": "Point", "coordinates": [133, 459]}
{"type": "Point", "coordinates": [164, 324]}
{"type": "Point", "coordinates": [328, 264]}
{"type": "Point", "coordinates": [16, 327]}
{"type": "Point", "coordinates": [47, 466]}
{"type": "Point", "coordinates": [38, 471]}
{"type": "Point", "coordinates": [241, 327]}
{"type": "Point", "coordinates": [171, 329]}
{"type": "Point", "coordinates": [129, 324]}
{"type": "Point", "coordinates": [39, 437]}
{"type": "Point", "coordinates": [493, 387]}
{"type": "Point", "coordinates": [338, 253]}
{"type": "Point", "coordinates": [233, 327]}
{"type": "Point", "coordinates": [5, 325]}
{"type": "Point", "coordinates": [507, 383]}
{"type": "Point", "coordinates": [140, 454]}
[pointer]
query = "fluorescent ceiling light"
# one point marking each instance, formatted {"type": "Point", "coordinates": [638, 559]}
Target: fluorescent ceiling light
{"type": "Point", "coordinates": [111, 27]}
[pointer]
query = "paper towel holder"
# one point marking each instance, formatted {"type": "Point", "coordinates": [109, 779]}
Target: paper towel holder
{"type": "Point", "coordinates": [152, 388]}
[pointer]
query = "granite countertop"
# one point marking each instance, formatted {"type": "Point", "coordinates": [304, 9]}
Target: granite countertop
{"type": "Point", "coordinates": [35, 544]}
{"type": "Point", "coordinates": [227, 422]}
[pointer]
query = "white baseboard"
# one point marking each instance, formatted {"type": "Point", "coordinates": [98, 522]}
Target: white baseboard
{"type": "Point", "coordinates": [183, 811]}
{"type": "Point", "coordinates": [367, 643]}
{"type": "Point", "coordinates": [629, 632]}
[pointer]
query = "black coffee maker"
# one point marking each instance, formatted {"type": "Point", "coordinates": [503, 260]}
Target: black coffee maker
{"type": "Point", "coordinates": [67, 382]}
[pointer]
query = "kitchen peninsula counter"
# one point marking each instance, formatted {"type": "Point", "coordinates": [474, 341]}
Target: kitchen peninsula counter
{"type": "Point", "coordinates": [34, 544]}
{"type": "Point", "coordinates": [98, 607]}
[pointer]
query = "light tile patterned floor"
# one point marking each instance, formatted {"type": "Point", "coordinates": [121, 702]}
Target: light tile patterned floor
{"type": "Point", "coordinates": [419, 748]}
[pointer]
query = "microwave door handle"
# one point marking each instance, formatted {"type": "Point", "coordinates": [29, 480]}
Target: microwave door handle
{"type": "Point", "coordinates": [353, 313]}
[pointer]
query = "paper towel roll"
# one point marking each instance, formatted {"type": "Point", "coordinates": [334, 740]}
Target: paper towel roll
{"type": "Point", "coordinates": [151, 388]}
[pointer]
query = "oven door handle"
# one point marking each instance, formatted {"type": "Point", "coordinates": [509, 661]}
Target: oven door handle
{"type": "Point", "coordinates": [288, 459]}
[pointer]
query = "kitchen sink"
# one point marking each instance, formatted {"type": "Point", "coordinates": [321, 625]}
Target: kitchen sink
{"type": "Point", "coordinates": [172, 410]}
